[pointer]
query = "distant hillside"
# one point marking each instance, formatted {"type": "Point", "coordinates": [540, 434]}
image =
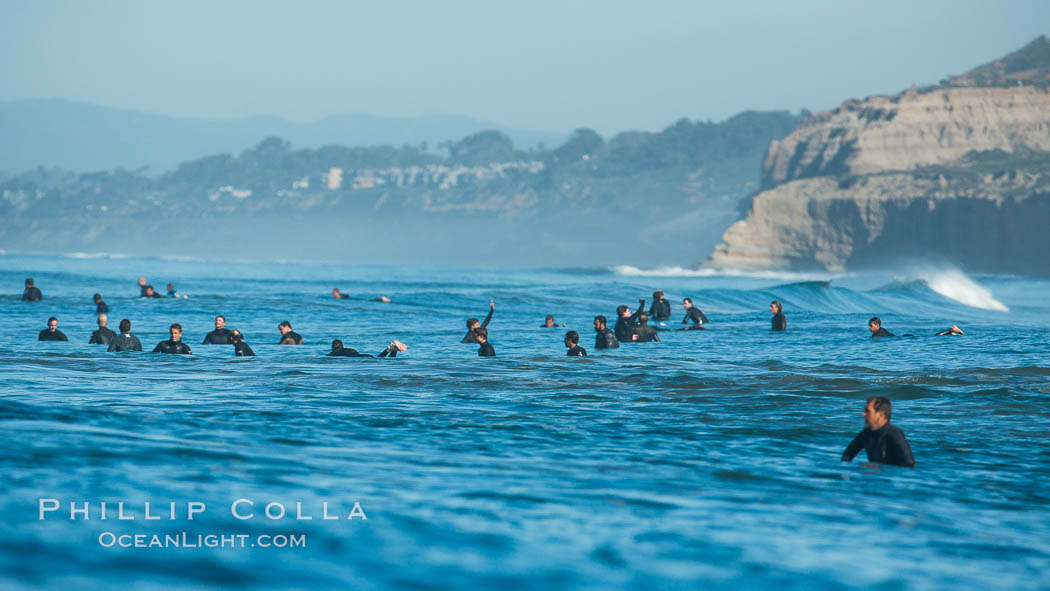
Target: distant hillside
{"type": "Point", "coordinates": [84, 137]}
{"type": "Point", "coordinates": [638, 198]}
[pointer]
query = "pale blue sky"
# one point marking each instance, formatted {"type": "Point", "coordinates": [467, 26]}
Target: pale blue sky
{"type": "Point", "coordinates": [539, 65]}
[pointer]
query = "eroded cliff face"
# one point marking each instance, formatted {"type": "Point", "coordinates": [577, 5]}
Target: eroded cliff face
{"type": "Point", "coordinates": [957, 172]}
{"type": "Point", "coordinates": [982, 220]}
{"type": "Point", "coordinates": [911, 130]}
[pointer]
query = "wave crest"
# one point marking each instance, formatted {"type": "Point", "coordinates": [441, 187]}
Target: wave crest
{"type": "Point", "coordinates": [955, 285]}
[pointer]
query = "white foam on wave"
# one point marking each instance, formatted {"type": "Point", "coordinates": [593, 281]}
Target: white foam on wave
{"type": "Point", "coordinates": [954, 284]}
{"type": "Point", "coordinates": [94, 255]}
{"type": "Point", "coordinates": [675, 271]}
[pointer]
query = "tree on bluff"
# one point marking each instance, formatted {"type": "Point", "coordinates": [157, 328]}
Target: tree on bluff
{"type": "Point", "coordinates": [482, 148]}
{"type": "Point", "coordinates": [582, 142]}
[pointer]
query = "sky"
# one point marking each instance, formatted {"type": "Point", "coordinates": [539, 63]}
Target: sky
{"type": "Point", "coordinates": [539, 65]}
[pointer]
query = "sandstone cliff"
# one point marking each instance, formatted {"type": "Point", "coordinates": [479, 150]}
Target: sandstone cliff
{"type": "Point", "coordinates": [910, 130]}
{"type": "Point", "coordinates": [952, 172]}
{"type": "Point", "coordinates": [983, 220]}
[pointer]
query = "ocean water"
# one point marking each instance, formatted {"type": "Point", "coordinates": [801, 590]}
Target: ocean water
{"type": "Point", "coordinates": [707, 461]}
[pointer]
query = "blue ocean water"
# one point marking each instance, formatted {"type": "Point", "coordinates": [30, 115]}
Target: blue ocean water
{"type": "Point", "coordinates": [708, 460]}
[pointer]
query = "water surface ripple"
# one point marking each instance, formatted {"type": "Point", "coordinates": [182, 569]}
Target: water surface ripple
{"type": "Point", "coordinates": [709, 460]}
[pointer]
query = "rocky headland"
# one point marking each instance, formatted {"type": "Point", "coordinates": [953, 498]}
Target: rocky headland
{"type": "Point", "coordinates": [959, 172]}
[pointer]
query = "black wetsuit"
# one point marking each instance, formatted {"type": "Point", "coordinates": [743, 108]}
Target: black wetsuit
{"type": "Point", "coordinates": [660, 310]}
{"type": "Point", "coordinates": [291, 336]}
{"type": "Point", "coordinates": [351, 352]}
{"type": "Point", "coordinates": [779, 322]}
{"type": "Point", "coordinates": [102, 336]}
{"type": "Point", "coordinates": [624, 327]}
{"type": "Point", "coordinates": [646, 334]}
{"type": "Point", "coordinates": [886, 445]}
{"type": "Point", "coordinates": [946, 332]}
{"type": "Point", "coordinates": [695, 316]}
{"type": "Point", "coordinates": [347, 352]}
{"type": "Point", "coordinates": [101, 308]}
{"type": "Point", "coordinates": [32, 294]}
{"type": "Point", "coordinates": [155, 295]}
{"type": "Point", "coordinates": [170, 346]}
{"type": "Point", "coordinates": [142, 291]}
{"type": "Point", "coordinates": [470, 338]}
{"type": "Point", "coordinates": [243, 350]}
{"type": "Point", "coordinates": [486, 350]}
{"type": "Point", "coordinates": [219, 336]}
{"type": "Point", "coordinates": [576, 351]}
{"type": "Point", "coordinates": [125, 342]}
{"type": "Point", "coordinates": [343, 296]}
{"type": "Point", "coordinates": [882, 332]}
{"type": "Point", "coordinates": [605, 339]}
{"type": "Point", "coordinates": [47, 335]}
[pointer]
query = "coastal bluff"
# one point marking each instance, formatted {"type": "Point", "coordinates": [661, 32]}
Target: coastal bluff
{"type": "Point", "coordinates": [952, 172]}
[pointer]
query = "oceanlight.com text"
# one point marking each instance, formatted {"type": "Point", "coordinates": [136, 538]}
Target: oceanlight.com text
{"type": "Point", "coordinates": [186, 540]}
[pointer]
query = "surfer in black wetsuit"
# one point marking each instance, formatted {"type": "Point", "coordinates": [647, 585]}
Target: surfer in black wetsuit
{"type": "Point", "coordinates": [125, 341]}
{"type": "Point", "coordinates": [473, 325]}
{"type": "Point", "coordinates": [221, 334]}
{"type": "Point", "coordinates": [240, 348]}
{"type": "Point", "coordinates": [338, 350]}
{"type": "Point", "coordinates": [102, 336]}
{"type": "Point", "coordinates": [342, 296]}
{"type": "Point", "coordinates": [953, 331]}
{"type": "Point", "coordinates": [885, 443]}
{"type": "Point", "coordinates": [151, 293]}
{"type": "Point", "coordinates": [692, 314]}
{"type": "Point", "coordinates": [643, 333]}
{"type": "Point", "coordinates": [288, 336]}
{"type": "Point", "coordinates": [572, 343]}
{"type": "Point", "coordinates": [625, 322]}
{"type": "Point", "coordinates": [51, 333]}
{"type": "Point", "coordinates": [549, 322]}
{"type": "Point", "coordinates": [603, 337]}
{"type": "Point", "coordinates": [875, 326]}
{"type": "Point", "coordinates": [100, 306]}
{"type": "Point", "coordinates": [777, 310]}
{"type": "Point", "coordinates": [142, 287]}
{"type": "Point", "coordinates": [174, 344]}
{"type": "Point", "coordinates": [485, 349]}
{"type": "Point", "coordinates": [661, 308]}
{"type": "Point", "coordinates": [31, 293]}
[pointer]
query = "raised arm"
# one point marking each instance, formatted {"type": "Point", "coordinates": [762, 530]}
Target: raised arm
{"type": "Point", "coordinates": [492, 308]}
{"type": "Point", "coordinates": [641, 308]}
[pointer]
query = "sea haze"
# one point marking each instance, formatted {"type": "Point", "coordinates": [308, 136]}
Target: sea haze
{"type": "Point", "coordinates": [708, 460]}
{"type": "Point", "coordinates": [85, 137]}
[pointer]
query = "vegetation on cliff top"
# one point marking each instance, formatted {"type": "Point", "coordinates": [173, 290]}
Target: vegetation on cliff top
{"type": "Point", "coordinates": [1029, 65]}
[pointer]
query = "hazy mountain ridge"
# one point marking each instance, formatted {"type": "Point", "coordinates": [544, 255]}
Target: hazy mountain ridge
{"type": "Point", "coordinates": [85, 137]}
